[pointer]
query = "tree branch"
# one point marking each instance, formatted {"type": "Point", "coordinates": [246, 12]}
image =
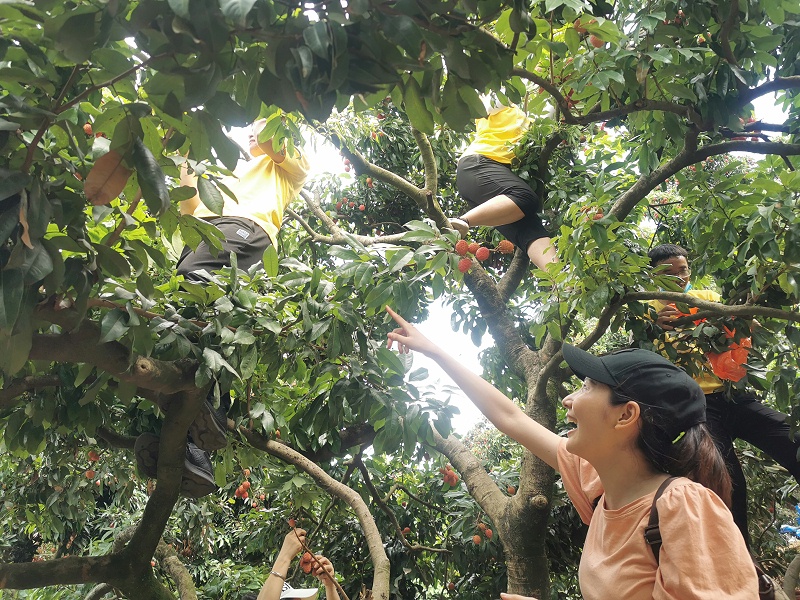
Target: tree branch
{"type": "Point", "coordinates": [725, 35]}
{"type": "Point", "coordinates": [428, 160]}
{"type": "Point", "coordinates": [96, 593]}
{"type": "Point", "coordinates": [116, 440]}
{"type": "Point", "coordinates": [25, 384]}
{"type": "Point", "coordinates": [166, 555]}
{"type": "Point", "coordinates": [511, 279]}
{"type": "Point", "coordinates": [380, 562]}
{"type": "Point", "coordinates": [82, 344]}
{"type": "Point", "coordinates": [339, 236]}
{"type": "Point", "coordinates": [480, 485]}
{"type": "Point", "coordinates": [774, 85]}
{"type": "Point", "coordinates": [376, 497]}
{"type": "Point", "coordinates": [711, 309]}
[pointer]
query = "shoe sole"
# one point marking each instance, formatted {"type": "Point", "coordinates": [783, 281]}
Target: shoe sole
{"type": "Point", "coordinates": [207, 432]}
{"type": "Point", "coordinates": [460, 227]}
{"type": "Point", "coordinates": [195, 483]}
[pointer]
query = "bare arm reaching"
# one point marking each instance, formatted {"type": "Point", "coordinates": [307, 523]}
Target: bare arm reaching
{"type": "Point", "coordinates": [497, 407]}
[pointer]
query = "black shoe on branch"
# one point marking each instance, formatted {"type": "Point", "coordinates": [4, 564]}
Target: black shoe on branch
{"type": "Point", "coordinates": [209, 427]}
{"type": "Point", "coordinates": [198, 476]}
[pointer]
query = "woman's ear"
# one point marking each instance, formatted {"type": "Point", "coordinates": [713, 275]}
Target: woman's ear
{"type": "Point", "coordinates": [629, 414]}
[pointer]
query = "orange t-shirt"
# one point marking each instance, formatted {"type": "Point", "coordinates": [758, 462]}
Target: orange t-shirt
{"type": "Point", "coordinates": [703, 555]}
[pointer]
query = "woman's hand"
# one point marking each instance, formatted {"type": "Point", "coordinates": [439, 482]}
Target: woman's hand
{"type": "Point", "coordinates": [293, 542]}
{"type": "Point", "coordinates": [323, 570]}
{"type": "Point", "coordinates": [408, 337]}
{"type": "Point", "coordinates": [504, 596]}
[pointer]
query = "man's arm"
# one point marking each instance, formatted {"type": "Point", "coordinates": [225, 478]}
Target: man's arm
{"type": "Point", "coordinates": [189, 206]}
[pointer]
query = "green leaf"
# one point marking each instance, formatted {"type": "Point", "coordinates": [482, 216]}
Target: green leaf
{"type": "Point", "coordinates": [11, 292]}
{"type": "Point", "coordinates": [180, 8]}
{"type": "Point", "coordinates": [12, 182]}
{"type": "Point", "coordinates": [112, 262]}
{"type": "Point", "coordinates": [236, 10]}
{"type": "Point", "coordinates": [113, 325]}
{"type": "Point", "coordinates": [415, 108]}
{"type": "Point", "coordinates": [151, 178]}
{"type": "Point", "coordinates": [317, 38]}
{"type": "Point", "coordinates": [210, 195]}
{"type": "Point", "coordinates": [270, 260]}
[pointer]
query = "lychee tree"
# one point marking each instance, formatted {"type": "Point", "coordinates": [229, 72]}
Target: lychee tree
{"type": "Point", "coordinates": [101, 103]}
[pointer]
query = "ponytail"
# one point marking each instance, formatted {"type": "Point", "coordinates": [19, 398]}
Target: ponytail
{"type": "Point", "coordinates": [693, 454]}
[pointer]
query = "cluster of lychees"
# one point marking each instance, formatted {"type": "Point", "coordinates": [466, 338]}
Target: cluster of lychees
{"type": "Point", "coordinates": [306, 562]}
{"type": "Point", "coordinates": [481, 253]}
{"type": "Point", "coordinates": [243, 491]}
{"type": "Point", "coordinates": [482, 528]}
{"type": "Point", "coordinates": [450, 476]}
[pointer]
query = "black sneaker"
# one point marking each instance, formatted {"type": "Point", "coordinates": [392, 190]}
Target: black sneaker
{"type": "Point", "coordinates": [198, 476]}
{"type": "Point", "coordinates": [209, 428]}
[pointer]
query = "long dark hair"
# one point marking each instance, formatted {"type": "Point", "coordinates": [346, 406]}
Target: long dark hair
{"type": "Point", "coordinates": [694, 455]}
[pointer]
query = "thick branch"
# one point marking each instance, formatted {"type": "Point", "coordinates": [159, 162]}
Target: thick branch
{"type": "Point", "coordinates": [380, 581]}
{"type": "Point", "coordinates": [82, 344]}
{"type": "Point", "coordinates": [481, 487]}
{"type": "Point", "coordinates": [166, 555]}
{"type": "Point", "coordinates": [70, 570]}
{"type": "Point", "coordinates": [25, 384]}
{"type": "Point", "coordinates": [97, 592]}
{"type": "Point", "coordinates": [428, 160]}
{"type": "Point", "coordinates": [510, 281]}
{"type": "Point", "coordinates": [180, 412]}
{"type": "Point", "coordinates": [725, 33]}
{"type": "Point", "coordinates": [116, 440]}
{"type": "Point", "coordinates": [774, 85]}
{"type": "Point", "coordinates": [711, 309]}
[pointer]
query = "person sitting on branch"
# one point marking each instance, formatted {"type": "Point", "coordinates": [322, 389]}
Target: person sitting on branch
{"type": "Point", "coordinates": [498, 197]}
{"type": "Point", "coordinates": [264, 187]}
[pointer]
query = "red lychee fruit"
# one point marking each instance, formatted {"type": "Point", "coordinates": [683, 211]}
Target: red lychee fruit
{"type": "Point", "coordinates": [464, 264]}
{"type": "Point", "coordinates": [482, 253]}
{"type": "Point", "coordinates": [461, 247]}
{"type": "Point", "coordinates": [473, 247]}
{"type": "Point", "coordinates": [505, 247]}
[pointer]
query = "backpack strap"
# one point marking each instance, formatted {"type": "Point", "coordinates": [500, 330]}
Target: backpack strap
{"type": "Point", "coordinates": [652, 533]}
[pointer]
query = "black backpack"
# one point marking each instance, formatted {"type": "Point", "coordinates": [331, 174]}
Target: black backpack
{"type": "Point", "coordinates": [652, 534]}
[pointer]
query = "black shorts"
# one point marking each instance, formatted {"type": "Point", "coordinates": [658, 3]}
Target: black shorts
{"type": "Point", "coordinates": [479, 179]}
{"type": "Point", "coordinates": [243, 237]}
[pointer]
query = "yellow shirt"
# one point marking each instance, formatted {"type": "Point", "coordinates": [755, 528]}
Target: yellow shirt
{"type": "Point", "coordinates": [498, 133]}
{"type": "Point", "coordinates": [709, 382]}
{"type": "Point", "coordinates": [263, 189]}
{"type": "Point", "coordinates": [703, 556]}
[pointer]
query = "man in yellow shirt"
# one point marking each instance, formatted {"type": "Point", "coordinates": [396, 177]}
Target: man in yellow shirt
{"type": "Point", "coordinates": [742, 416]}
{"type": "Point", "coordinates": [498, 197]}
{"type": "Point", "coordinates": [263, 190]}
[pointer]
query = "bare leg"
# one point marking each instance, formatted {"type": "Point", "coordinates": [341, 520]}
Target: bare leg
{"type": "Point", "coordinates": [542, 253]}
{"type": "Point", "coordinates": [499, 210]}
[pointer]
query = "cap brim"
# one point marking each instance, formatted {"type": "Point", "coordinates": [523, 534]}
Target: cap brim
{"type": "Point", "coordinates": [300, 593]}
{"type": "Point", "coordinates": [586, 365]}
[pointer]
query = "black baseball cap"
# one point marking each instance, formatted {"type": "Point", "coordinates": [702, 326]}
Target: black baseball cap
{"type": "Point", "coordinates": [648, 378]}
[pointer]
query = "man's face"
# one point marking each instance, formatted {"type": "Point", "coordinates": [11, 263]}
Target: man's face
{"type": "Point", "coordinates": [678, 266]}
{"type": "Point", "coordinates": [256, 149]}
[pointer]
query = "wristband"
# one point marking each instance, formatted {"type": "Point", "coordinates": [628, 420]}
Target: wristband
{"type": "Point", "coordinates": [278, 575]}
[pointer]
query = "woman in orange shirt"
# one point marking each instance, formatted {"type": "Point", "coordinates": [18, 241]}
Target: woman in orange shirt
{"type": "Point", "coordinates": [638, 420]}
